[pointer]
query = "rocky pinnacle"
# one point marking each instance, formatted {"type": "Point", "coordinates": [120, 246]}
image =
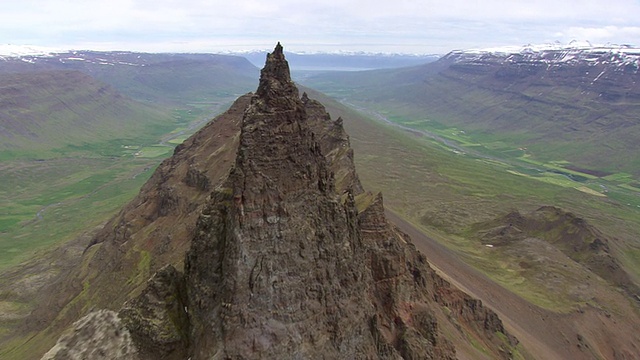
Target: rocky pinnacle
{"type": "Point", "coordinates": [290, 258]}
{"type": "Point", "coordinates": [285, 264]}
{"type": "Point", "coordinates": [277, 270]}
{"type": "Point", "coordinates": [276, 88]}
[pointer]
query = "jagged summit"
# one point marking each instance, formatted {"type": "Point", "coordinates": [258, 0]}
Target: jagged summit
{"type": "Point", "coordinates": [284, 242]}
{"type": "Point", "coordinates": [276, 88]}
{"type": "Point", "coordinates": [289, 258]}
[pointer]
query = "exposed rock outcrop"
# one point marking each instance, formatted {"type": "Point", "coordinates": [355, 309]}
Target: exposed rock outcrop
{"type": "Point", "coordinates": [291, 259]}
{"type": "Point", "coordinates": [157, 319]}
{"type": "Point", "coordinates": [100, 336]}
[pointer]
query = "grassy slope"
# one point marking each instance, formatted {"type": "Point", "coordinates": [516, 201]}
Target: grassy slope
{"type": "Point", "coordinates": [443, 192]}
{"type": "Point", "coordinates": [69, 142]}
{"type": "Point", "coordinates": [43, 113]}
{"type": "Point", "coordinates": [182, 81]}
{"type": "Point", "coordinates": [52, 201]}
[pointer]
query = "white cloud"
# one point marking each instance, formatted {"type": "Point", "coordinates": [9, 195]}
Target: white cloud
{"type": "Point", "coordinates": [605, 34]}
{"type": "Point", "coordinates": [399, 25]}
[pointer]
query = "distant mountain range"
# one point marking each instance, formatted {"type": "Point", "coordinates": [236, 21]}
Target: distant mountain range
{"type": "Point", "coordinates": [112, 80]}
{"type": "Point", "coordinates": [45, 110]}
{"type": "Point", "coordinates": [319, 61]}
{"type": "Point", "coordinates": [54, 99]}
{"type": "Point", "coordinates": [556, 55]}
{"type": "Point", "coordinates": [144, 76]}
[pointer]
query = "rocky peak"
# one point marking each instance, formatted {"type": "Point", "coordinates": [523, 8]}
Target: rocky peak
{"type": "Point", "coordinates": [276, 89]}
{"type": "Point", "coordinates": [291, 259]}
{"type": "Point", "coordinates": [287, 264]}
{"type": "Point", "coordinates": [277, 244]}
{"type": "Point", "coordinates": [279, 153]}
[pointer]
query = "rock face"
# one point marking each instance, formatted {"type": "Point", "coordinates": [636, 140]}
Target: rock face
{"type": "Point", "coordinates": [277, 266]}
{"type": "Point", "coordinates": [157, 319]}
{"type": "Point", "coordinates": [291, 259]}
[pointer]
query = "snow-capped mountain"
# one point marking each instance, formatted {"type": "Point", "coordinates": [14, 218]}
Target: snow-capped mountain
{"type": "Point", "coordinates": [12, 51]}
{"type": "Point", "coordinates": [142, 76]}
{"type": "Point", "coordinates": [621, 56]}
{"type": "Point", "coordinates": [44, 56]}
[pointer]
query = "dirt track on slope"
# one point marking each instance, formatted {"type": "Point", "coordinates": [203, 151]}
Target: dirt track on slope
{"type": "Point", "coordinates": [542, 333]}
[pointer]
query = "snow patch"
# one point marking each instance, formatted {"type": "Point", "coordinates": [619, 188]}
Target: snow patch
{"type": "Point", "coordinates": [557, 46]}
{"type": "Point", "coordinates": [9, 50]}
{"type": "Point", "coordinates": [555, 53]}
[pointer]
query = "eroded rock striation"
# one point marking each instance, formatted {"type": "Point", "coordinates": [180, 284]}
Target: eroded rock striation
{"type": "Point", "coordinates": [291, 259]}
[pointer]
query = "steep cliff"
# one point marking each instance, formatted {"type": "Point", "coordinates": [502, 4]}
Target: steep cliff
{"type": "Point", "coordinates": [289, 257]}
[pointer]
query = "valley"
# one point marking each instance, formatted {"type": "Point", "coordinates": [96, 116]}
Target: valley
{"type": "Point", "coordinates": [572, 108]}
{"type": "Point", "coordinates": [85, 130]}
{"type": "Point", "coordinates": [46, 200]}
{"type": "Point", "coordinates": [444, 194]}
{"type": "Point", "coordinates": [622, 187]}
{"type": "Point", "coordinates": [508, 155]}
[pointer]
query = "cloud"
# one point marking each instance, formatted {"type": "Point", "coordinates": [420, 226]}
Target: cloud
{"type": "Point", "coordinates": [399, 25]}
{"type": "Point", "coordinates": [605, 34]}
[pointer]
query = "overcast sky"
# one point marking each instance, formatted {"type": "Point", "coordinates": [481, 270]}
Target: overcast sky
{"type": "Point", "coordinates": [409, 26]}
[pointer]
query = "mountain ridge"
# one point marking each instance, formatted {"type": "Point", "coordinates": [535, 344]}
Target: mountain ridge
{"type": "Point", "coordinates": [573, 52]}
{"type": "Point", "coordinates": [164, 78]}
{"type": "Point", "coordinates": [572, 235]}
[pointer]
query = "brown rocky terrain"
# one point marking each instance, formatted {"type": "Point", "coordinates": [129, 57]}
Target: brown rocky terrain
{"type": "Point", "coordinates": [285, 255]}
{"type": "Point", "coordinates": [591, 332]}
{"type": "Point", "coordinates": [572, 235]}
